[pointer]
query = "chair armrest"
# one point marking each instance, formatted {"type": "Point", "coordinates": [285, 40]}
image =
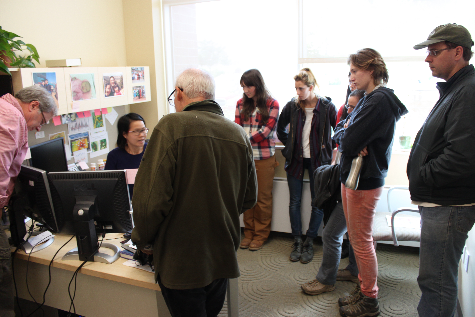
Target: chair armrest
{"type": "Point", "coordinates": [393, 214]}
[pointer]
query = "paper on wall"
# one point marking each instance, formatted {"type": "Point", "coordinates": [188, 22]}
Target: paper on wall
{"type": "Point", "coordinates": [80, 156]}
{"type": "Point", "coordinates": [99, 144]}
{"type": "Point", "coordinates": [112, 116]}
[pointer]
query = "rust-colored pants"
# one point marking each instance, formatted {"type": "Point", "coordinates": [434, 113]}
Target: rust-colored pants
{"type": "Point", "coordinates": [359, 207]}
{"type": "Point", "coordinates": [257, 220]}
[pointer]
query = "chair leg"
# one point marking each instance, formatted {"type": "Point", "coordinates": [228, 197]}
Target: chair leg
{"type": "Point", "coordinates": [375, 244]}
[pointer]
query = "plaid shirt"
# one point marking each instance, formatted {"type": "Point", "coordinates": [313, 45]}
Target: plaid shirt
{"type": "Point", "coordinates": [261, 136]}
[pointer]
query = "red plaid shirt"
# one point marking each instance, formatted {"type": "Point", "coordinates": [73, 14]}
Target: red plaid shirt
{"type": "Point", "coordinates": [261, 136]}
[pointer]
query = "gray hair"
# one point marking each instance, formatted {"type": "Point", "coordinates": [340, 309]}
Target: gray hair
{"type": "Point", "coordinates": [196, 83]}
{"type": "Point", "coordinates": [37, 93]}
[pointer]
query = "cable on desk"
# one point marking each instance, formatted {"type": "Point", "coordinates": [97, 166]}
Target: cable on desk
{"type": "Point", "coordinates": [49, 275]}
{"type": "Point", "coordinates": [75, 275]}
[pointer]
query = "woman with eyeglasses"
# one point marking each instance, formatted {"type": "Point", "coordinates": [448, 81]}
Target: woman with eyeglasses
{"type": "Point", "coordinates": [367, 132]}
{"type": "Point", "coordinates": [131, 145]}
{"type": "Point", "coordinates": [257, 113]}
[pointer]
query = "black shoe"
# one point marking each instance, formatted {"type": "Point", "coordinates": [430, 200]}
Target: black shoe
{"type": "Point", "coordinates": [307, 252]}
{"type": "Point", "coordinates": [366, 306]}
{"type": "Point", "coordinates": [354, 297]}
{"type": "Point", "coordinates": [297, 252]}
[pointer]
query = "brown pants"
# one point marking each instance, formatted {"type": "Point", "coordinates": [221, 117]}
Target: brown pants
{"type": "Point", "coordinates": [257, 220]}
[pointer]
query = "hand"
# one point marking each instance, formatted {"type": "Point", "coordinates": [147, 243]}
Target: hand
{"type": "Point", "coordinates": [364, 151]}
{"type": "Point", "coordinates": [147, 251]}
{"type": "Point", "coordinates": [346, 125]}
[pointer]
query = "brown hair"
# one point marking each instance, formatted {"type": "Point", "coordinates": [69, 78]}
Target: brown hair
{"type": "Point", "coordinates": [467, 52]}
{"type": "Point", "coordinates": [306, 76]}
{"type": "Point", "coordinates": [254, 78]}
{"type": "Point", "coordinates": [370, 59]}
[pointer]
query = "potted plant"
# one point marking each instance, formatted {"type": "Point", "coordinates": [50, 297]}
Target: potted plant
{"type": "Point", "coordinates": [10, 49]}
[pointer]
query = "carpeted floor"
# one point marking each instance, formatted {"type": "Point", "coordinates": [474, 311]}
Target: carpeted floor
{"type": "Point", "coordinates": [270, 284]}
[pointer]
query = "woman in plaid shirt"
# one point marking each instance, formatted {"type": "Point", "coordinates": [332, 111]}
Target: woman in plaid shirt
{"type": "Point", "coordinates": [257, 113]}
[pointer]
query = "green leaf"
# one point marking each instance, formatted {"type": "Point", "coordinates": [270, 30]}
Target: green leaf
{"type": "Point", "coordinates": [4, 68]}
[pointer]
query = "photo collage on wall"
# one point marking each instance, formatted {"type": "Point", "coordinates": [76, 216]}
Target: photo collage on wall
{"type": "Point", "coordinates": [138, 87]}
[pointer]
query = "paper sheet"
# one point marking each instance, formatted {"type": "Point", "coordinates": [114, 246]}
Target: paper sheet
{"type": "Point", "coordinates": [135, 264]}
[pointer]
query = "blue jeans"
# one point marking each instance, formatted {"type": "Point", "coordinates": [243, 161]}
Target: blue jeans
{"type": "Point", "coordinates": [295, 189]}
{"type": "Point", "coordinates": [443, 234]}
{"type": "Point", "coordinates": [332, 240]}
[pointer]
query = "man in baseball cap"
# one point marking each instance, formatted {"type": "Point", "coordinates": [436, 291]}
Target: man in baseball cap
{"type": "Point", "coordinates": [441, 169]}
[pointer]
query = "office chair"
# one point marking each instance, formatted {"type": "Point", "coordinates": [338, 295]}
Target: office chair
{"type": "Point", "coordinates": [381, 230]}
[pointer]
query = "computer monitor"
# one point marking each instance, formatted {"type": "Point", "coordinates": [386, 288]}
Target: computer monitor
{"type": "Point", "coordinates": [94, 202]}
{"type": "Point", "coordinates": [32, 197]}
{"type": "Point", "coordinates": [49, 156]}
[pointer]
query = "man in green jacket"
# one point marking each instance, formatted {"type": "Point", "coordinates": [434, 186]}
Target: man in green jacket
{"type": "Point", "coordinates": [195, 179]}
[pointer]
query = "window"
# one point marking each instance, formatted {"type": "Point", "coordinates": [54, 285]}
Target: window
{"type": "Point", "coordinates": [279, 37]}
{"type": "Point", "coordinates": [331, 31]}
{"type": "Point", "coordinates": [226, 38]}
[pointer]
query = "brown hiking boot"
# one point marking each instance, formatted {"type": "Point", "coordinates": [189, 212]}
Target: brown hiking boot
{"type": "Point", "coordinates": [354, 297]}
{"type": "Point", "coordinates": [345, 275]}
{"type": "Point", "coordinates": [315, 287]}
{"type": "Point", "coordinates": [366, 306]}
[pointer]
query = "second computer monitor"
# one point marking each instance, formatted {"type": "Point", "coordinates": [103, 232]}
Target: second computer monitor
{"type": "Point", "coordinates": [49, 156]}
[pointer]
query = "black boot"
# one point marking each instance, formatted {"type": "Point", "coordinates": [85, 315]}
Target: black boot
{"type": "Point", "coordinates": [297, 252]}
{"type": "Point", "coordinates": [307, 252]}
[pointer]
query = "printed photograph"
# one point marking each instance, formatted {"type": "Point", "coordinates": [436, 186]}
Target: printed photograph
{"type": "Point", "coordinates": [83, 87]}
{"type": "Point", "coordinates": [79, 141]}
{"type": "Point", "coordinates": [97, 121]}
{"type": "Point", "coordinates": [48, 82]}
{"type": "Point", "coordinates": [139, 93]}
{"type": "Point", "coordinates": [113, 84]}
{"type": "Point", "coordinates": [138, 74]}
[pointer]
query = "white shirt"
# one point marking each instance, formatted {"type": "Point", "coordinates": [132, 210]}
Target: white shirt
{"type": "Point", "coordinates": [306, 132]}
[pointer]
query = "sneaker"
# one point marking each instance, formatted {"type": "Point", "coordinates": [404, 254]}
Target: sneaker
{"type": "Point", "coordinates": [307, 252]}
{"type": "Point", "coordinates": [366, 306]}
{"type": "Point", "coordinates": [345, 275]}
{"type": "Point", "coordinates": [315, 287]}
{"type": "Point", "coordinates": [354, 297]}
{"type": "Point", "coordinates": [297, 251]}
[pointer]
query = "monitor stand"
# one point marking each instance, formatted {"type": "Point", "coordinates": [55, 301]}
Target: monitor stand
{"type": "Point", "coordinates": [98, 256]}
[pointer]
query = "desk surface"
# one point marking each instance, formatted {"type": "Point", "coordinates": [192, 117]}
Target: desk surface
{"type": "Point", "coordinates": [116, 271]}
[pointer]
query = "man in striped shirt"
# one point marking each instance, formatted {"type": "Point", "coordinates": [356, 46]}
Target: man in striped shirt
{"type": "Point", "coordinates": [31, 108]}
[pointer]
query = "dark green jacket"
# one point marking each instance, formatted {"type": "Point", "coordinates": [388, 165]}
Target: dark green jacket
{"type": "Point", "coordinates": [196, 177]}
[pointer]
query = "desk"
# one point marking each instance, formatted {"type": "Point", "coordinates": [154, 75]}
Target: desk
{"type": "Point", "coordinates": [102, 289]}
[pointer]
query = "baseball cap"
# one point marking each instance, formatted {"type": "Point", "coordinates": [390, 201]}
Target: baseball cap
{"type": "Point", "coordinates": [450, 32]}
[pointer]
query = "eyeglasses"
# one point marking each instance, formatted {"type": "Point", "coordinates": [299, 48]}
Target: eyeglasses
{"type": "Point", "coordinates": [43, 122]}
{"type": "Point", "coordinates": [171, 98]}
{"type": "Point", "coordinates": [437, 52]}
{"type": "Point", "coordinates": [139, 132]}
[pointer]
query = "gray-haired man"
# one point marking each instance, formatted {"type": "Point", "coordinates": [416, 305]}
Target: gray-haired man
{"type": "Point", "coordinates": [195, 179]}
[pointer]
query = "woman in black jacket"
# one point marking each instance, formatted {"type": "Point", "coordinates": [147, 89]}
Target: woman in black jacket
{"type": "Point", "coordinates": [308, 145]}
{"type": "Point", "coordinates": [367, 132]}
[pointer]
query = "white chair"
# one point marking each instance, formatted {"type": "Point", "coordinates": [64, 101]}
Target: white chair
{"type": "Point", "coordinates": [383, 232]}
